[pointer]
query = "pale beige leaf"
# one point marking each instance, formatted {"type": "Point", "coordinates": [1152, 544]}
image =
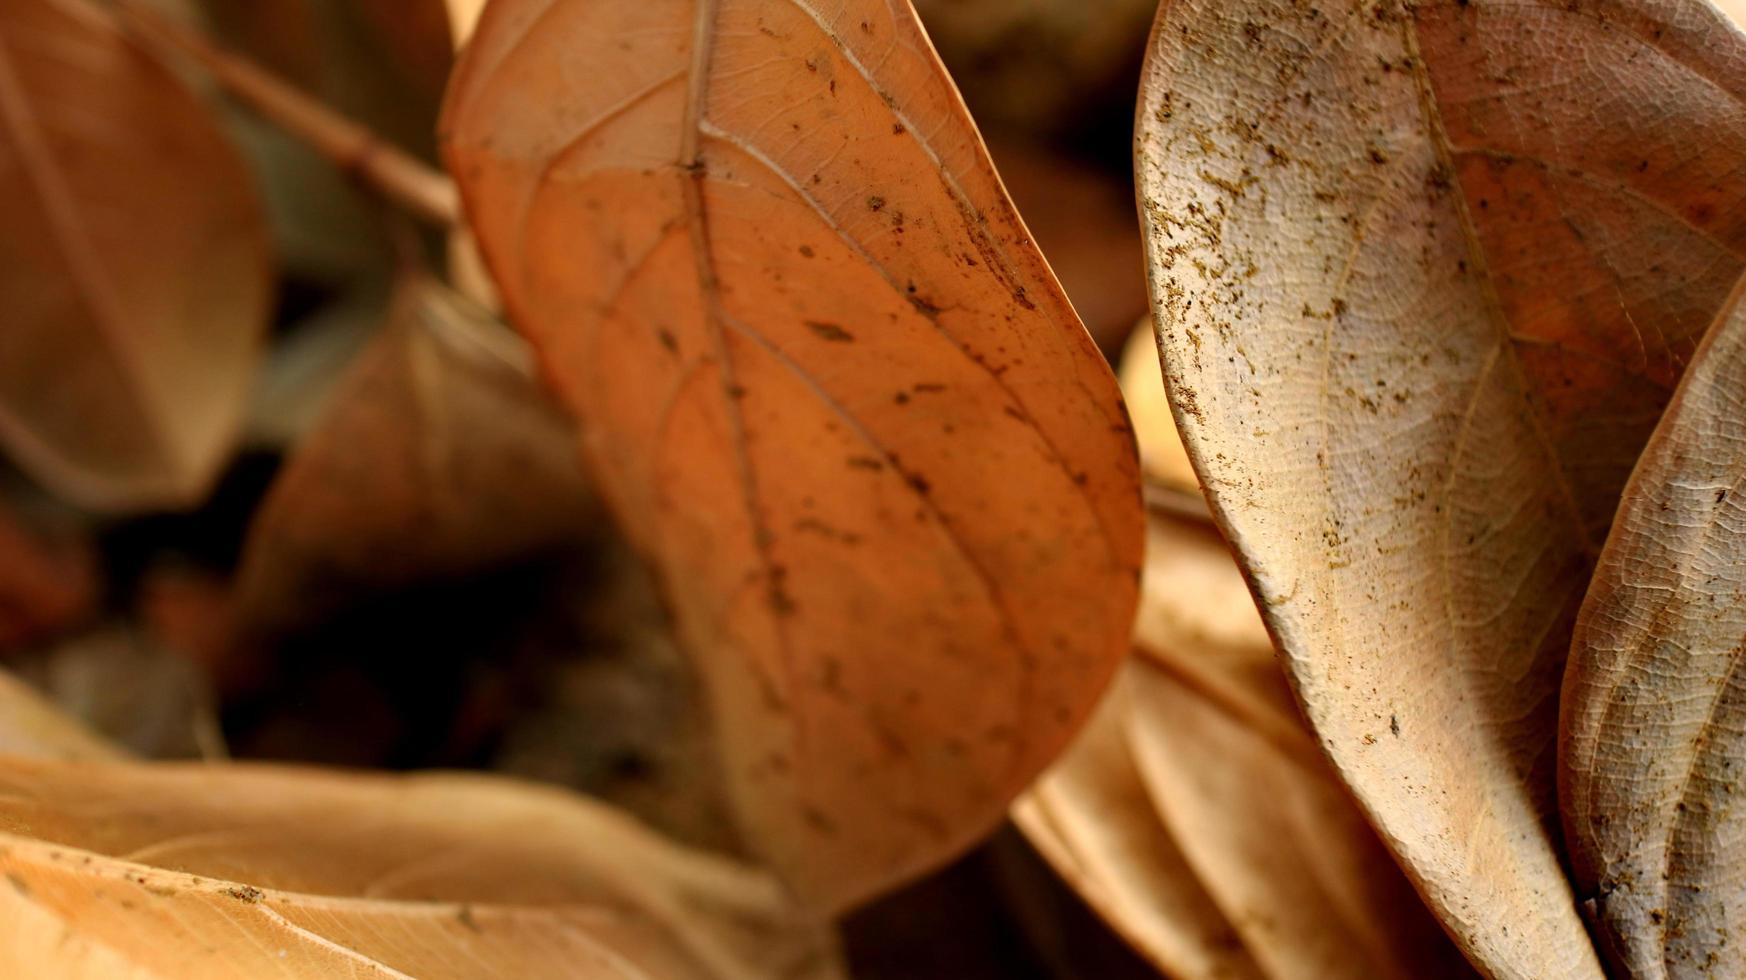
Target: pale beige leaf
{"type": "Point", "coordinates": [133, 266]}
{"type": "Point", "coordinates": [246, 871]}
{"type": "Point", "coordinates": [438, 454]}
{"type": "Point", "coordinates": [1424, 276]}
{"type": "Point", "coordinates": [31, 726]}
{"type": "Point", "coordinates": [1090, 818]}
{"type": "Point", "coordinates": [830, 388]}
{"type": "Point", "coordinates": [1654, 712]}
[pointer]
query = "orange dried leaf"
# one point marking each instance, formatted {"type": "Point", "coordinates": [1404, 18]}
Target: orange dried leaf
{"type": "Point", "coordinates": [1423, 285]}
{"type": "Point", "coordinates": [134, 271]}
{"type": "Point", "coordinates": [830, 388]}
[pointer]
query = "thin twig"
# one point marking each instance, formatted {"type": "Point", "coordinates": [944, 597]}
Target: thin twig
{"type": "Point", "coordinates": [398, 176]}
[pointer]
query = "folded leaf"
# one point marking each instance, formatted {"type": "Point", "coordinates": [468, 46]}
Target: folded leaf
{"type": "Point", "coordinates": [1090, 818]}
{"type": "Point", "coordinates": [1654, 711]}
{"type": "Point", "coordinates": [241, 871]}
{"type": "Point", "coordinates": [828, 385]}
{"type": "Point", "coordinates": [1425, 275]}
{"type": "Point", "coordinates": [133, 266]}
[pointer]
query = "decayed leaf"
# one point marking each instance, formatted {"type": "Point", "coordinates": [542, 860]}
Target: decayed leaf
{"type": "Point", "coordinates": [828, 385]}
{"type": "Point", "coordinates": [133, 265]}
{"type": "Point", "coordinates": [244, 871]}
{"type": "Point", "coordinates": [438, 454]}
{"type": "Point", "coordinates": [1423, 286]}
{"type": "Point", "coordinates": [31, 726]}
{"type": "Point", "coordinates": [1090, 818]}
{"type": "Point", "coordinates": [1653, 705]}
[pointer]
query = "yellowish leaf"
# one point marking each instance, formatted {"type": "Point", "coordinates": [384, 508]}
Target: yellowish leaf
{"type": "Point", "coordinates": [829, 386]}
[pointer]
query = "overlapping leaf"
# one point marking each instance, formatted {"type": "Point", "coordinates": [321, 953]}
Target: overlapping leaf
{"type": "Point", "coordinates": [1654, 717]}
{"type": "Point", "coordinates": [438, 454]}
{"type": "Point", "coordinates": [1425, 275]}
{"type": "Point", "coordinates": [830, 388]}
{"type": "Point", "coordinates": [133, 265]}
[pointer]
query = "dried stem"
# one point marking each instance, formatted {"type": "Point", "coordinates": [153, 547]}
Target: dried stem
{"type": "Point", "coordinates": [398, 176]}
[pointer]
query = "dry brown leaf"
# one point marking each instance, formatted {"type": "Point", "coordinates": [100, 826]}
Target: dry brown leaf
{"type": "Point", "coordinates": [133, 266]}
{"type": "Point", "coordinates": [438, 454]}
{"type": "Point", "coordinates": [1653, 706]}
{"type": "Point", "coordinates": [1090, 818]}
{"type": "Point", "coordinates": [31, 726]}
{"type": "Point", "coordinates": [829, 386]}
{"type": "Point", "coordinates": [1423, 287]}
{"type": "Point", "coordinates": [210, 871]}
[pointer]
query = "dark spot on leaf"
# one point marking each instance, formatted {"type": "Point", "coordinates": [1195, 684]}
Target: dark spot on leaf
{"type": "Point", "coordinates": [875, 202]}
{"type": "Point", "coordinates": [806, 250]}
{"type": "Point", "coordinates": [816, 819]}
{"type": "Point", "coordinates": [245, 893]}
{"type": "Point", "coordinates": [866, 463]}
{"type": "Point", "coordinates": [830, 332]}
{"type": "Point", "coordinates": [465, 917]}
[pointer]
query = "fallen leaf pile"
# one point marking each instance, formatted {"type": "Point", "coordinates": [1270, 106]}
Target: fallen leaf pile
{"type": "Point", "coordinates": [665, 410]}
